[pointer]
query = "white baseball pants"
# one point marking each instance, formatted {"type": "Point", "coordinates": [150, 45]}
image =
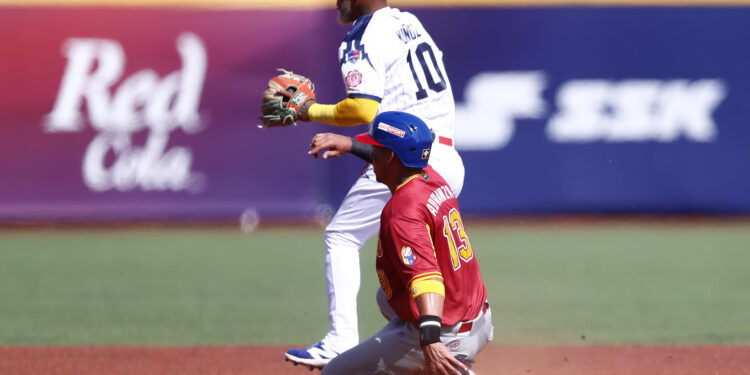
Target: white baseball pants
{"type": "Point", "coordinates": [395, 349]}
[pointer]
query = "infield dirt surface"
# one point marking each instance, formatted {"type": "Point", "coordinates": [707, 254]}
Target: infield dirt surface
{"type": "Point", "coordinates": [212, 360]}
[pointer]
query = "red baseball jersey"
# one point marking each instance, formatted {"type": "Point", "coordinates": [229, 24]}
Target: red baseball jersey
{"type": "Point", "coordinates": [422, 237]}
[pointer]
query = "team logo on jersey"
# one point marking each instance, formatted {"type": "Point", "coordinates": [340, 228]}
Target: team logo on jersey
{"type": "Point", "coordinates": [391, 129]}
{"type": "Point", "coordinates": [353, 56]}
{"type": "Point", "coordinates": [408, 256]}
{"type": "Point", "coordinates": [454, 346]}
{"type": "Point", "coordinates": [353, 78]}
{"type": "Point", "coordinates": [425, 154]}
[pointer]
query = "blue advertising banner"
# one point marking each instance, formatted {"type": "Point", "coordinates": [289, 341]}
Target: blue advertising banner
{"type": "Point", "coordinates": [610, 110]}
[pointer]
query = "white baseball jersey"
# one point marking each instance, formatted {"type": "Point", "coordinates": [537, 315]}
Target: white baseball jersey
{"type": "Point", "coordinates": [389, 57]}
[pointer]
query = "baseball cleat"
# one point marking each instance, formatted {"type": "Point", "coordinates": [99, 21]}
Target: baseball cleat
{"type": "Point", "coordinates": [315, 356]}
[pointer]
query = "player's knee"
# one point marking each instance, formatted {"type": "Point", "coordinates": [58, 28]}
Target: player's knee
{"type": "Point", "coordinates": [341, 241]}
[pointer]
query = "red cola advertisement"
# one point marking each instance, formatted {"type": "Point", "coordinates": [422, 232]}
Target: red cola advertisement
{"type": "Point", "coordinates": [152, 113]}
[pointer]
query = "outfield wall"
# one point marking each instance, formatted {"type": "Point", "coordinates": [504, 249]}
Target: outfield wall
{"type": "Point", "coordinates": [131, 112]}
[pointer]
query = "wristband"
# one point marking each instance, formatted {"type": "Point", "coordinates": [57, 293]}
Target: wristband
{"type": "Point", "coordinates": [429, 329]}
{"type": "Point", "coordinates": [362, 150]}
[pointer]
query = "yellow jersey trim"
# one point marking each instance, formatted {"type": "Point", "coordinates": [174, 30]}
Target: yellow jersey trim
{"type": "Point", "coordinates": [426, 275]}
{"type": "Point", "coordinates": [420, 287]}
{"type": "Point", "coordinates": [407, 180]}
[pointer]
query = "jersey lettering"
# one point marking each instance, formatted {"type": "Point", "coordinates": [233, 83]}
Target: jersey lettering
{"type": "Point", "coordinates": [407, 33]}
{"type": "Point", "coordinates": [437, 197]}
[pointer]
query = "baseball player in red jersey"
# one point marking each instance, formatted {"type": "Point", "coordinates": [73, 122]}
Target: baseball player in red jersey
{"type": "Point", "coordinates": [431, 288]}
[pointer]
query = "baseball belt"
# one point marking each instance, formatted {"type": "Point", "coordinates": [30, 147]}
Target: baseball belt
{"type": "Point", "coordinates": [445, 140]}
{"type": "Point", "coordinates": [466, 326]}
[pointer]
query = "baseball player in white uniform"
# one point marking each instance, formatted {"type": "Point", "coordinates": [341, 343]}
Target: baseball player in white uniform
{"type": "Point", "coordinates": [389, 63]}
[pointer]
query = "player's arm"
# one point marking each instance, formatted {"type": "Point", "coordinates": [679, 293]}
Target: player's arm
{"type": "Point", "coordinates": [438, 359]}
{"type": "Point", "coordinates": [348, 112]}
{"type": "Point", "coordinates": [334, 145]}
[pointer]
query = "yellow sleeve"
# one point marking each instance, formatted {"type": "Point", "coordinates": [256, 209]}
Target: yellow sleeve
{"type": "Point", "coordinates": [348, 112]}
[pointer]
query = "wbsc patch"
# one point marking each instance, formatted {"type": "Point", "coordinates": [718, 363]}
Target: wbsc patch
{"type": "Point", "coordinates": [408, 256]}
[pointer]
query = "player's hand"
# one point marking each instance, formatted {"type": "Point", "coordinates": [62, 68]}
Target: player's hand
{"type": "Point", "coordinates": [440, 361]}
{"type": "Point", "coordinates": [333, 145]}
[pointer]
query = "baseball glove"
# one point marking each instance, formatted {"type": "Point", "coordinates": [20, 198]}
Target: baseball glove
{"type": "Point", "coordinates": [282, 100]}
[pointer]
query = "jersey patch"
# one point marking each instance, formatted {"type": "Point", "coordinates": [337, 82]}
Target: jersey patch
{"type": "Point", "coordinates": [353, 78]}
{"type": "Point", "coordinates": [408, 256]}
{"type": "Point", "coordinates": [354, 56]}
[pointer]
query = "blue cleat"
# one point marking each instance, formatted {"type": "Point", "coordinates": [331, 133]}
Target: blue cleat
{"type": "Point", "coordinates": [315, 356]}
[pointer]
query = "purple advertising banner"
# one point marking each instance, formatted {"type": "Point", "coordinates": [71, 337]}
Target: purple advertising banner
{"type": "Point", "coordinates": [152, 113]}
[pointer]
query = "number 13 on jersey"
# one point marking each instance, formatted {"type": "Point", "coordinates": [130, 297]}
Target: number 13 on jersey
{"type": "Point", "coordinates": [453, 230]}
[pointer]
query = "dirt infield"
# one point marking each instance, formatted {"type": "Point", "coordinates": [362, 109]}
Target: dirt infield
{"type": "Point", "coordinates": [579, 360]}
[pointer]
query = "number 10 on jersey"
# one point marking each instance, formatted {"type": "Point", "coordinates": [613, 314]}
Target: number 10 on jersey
{"type": "Point", "coordinates": [430, 67]}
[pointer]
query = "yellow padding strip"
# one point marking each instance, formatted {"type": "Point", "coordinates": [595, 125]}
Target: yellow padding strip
{"type": "Point", "coordinates": [420, 287]}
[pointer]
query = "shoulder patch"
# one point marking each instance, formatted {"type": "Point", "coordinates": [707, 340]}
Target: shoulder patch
{"type": "Point", "coordinates": [408, 256]}
{"type": "Point", "coordinates": [353, 79]}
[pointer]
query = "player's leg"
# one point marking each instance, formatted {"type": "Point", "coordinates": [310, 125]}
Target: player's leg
{"type": "Point", "coordinates": [393, 350]}
{"type": "Point", "coordinates": [357, 220]}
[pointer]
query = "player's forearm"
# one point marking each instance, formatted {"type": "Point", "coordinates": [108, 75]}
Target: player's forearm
{"type": "Point", "coordinates": [430, 304]}
{"type": "Point", "coordinates": [430, 307]}
{"type": "Point", "coordinates": [348, 112]}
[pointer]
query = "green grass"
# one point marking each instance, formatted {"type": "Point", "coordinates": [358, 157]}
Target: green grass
{"type": "Point", "coordinates": [548, 284]}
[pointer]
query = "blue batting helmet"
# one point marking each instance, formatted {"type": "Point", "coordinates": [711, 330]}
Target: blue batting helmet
{"type": "Point", "coordinates": [407, 135]}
